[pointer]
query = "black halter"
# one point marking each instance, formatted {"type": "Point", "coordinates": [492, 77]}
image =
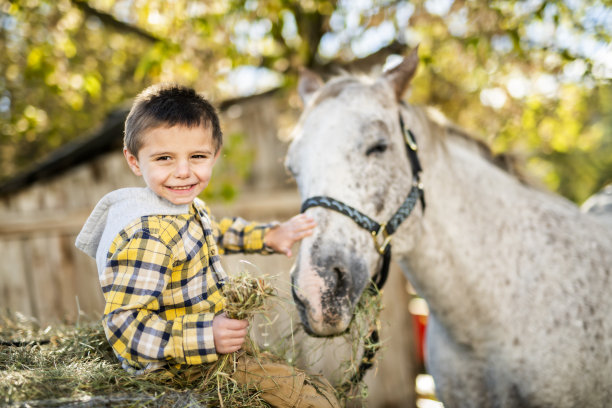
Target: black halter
{"type": "Point", "coordinates": [380, 233]}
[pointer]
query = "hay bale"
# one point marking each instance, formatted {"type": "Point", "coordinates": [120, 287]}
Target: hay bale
{"type": "Point", "coordinates": [74, 366]}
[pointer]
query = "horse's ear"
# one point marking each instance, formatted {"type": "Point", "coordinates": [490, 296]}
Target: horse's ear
{"type": "Point", "coordinates": [400, 76]}
{"type": "Point", "coordinates": [308, 84]}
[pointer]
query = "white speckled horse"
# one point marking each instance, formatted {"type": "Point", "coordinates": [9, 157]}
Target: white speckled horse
{"type": "Point", "coordinates": [517, 280]}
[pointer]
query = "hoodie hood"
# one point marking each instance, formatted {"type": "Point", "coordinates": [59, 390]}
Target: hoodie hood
{"type": "Point", "coordinates": [114, 212]}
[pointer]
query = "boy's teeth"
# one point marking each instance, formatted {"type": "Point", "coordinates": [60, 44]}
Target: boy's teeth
{"type": "Point", "coordinates": [182, 188]}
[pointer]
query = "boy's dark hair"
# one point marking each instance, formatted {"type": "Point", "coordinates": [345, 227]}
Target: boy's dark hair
{"type": "Point", "coordinates": [169, 105]}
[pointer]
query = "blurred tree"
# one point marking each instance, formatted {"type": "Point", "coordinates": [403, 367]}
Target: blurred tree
{"type": "Point", "coordinates": [532, 77]}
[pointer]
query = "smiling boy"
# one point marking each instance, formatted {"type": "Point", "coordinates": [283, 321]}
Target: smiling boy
{"type": "Point", "coordinates": [157, 248]}
{"type": "Point", "coordinates": [176, 172]}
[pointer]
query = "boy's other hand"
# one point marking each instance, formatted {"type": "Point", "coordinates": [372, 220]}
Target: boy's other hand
{"type": "Point", "coordinates": [229, 334]}
{"type": "Point", "coordinates": [282, 238]}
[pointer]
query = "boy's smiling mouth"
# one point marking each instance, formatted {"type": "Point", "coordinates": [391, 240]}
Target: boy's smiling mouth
{"type": "Point", "coordinates": [181, 187]}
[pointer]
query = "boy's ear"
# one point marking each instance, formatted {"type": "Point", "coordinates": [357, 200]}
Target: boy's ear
{"type": "Point", "coordinates": [132, 161]}
{"type": "Point", "coordinates": [217, 154]}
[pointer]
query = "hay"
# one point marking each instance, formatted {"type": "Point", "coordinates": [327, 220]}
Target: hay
{"type": "Point", "coordinates": [360, 336]}
{"type": "Point", "coordinates": [74, 366]}
{"type": "Point", "coordinates": [246, 295]}
{"type": "Point", "coordinates": [67, 366]}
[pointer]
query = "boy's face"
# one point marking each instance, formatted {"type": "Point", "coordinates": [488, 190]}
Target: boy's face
{"type": "Point", "coordinates": [175, 162]}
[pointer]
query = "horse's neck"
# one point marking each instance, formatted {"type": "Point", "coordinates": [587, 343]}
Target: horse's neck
{"type": "Point", "coordinates": [468, 235]}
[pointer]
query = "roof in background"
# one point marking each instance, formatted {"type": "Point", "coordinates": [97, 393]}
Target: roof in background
{"type": "Point", "coordinates": [106, 138]}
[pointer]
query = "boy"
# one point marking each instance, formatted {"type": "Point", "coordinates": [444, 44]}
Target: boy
{"type": "Point", "coordinates": [157, 249]}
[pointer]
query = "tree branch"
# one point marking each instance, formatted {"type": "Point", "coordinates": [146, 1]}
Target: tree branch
{"type": "Point", "coordinates": [110, 20]}
{"type": "Point", "coordinates": [362, 64]}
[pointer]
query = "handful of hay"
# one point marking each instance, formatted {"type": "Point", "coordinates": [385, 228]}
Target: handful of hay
{"type": "Point", "coordinates": [246, 295]}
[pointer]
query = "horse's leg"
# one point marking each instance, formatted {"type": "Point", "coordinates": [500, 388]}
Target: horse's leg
{"type": "Point", "coordinates": [459, 375]}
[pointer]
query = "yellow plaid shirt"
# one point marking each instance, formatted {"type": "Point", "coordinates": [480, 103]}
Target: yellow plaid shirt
{"type": "Point", "coordinates": [162, 286]}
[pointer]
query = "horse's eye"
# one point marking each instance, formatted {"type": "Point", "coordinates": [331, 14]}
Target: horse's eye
{"type": "Point", "coordinates": [379, 147]}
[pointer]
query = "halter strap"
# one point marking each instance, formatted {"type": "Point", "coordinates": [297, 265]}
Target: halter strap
{"type": "Point", "coordinates": [360, 218]}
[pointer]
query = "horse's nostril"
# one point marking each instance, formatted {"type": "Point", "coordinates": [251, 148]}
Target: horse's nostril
{"type": "Point", "coordinates": [341, 278]}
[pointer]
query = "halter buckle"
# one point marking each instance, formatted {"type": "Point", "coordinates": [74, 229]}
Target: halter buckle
{"type": "Point", "coordinates": [381, 239]}
{"type": "Point", "coordinates": [409, 138]}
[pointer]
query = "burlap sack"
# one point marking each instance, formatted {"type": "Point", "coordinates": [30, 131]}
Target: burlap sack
{"type": "Point", "coordinates": [283, 386]}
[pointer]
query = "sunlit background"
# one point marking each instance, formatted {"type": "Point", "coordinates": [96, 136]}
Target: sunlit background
{"type": "Point", "coordinates": [533, 78]}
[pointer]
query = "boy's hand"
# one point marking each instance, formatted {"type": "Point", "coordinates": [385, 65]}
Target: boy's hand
{"type": "Point", "coordinates": [229, 334]}
{"type": "Point", "coordinates": [282, 238]}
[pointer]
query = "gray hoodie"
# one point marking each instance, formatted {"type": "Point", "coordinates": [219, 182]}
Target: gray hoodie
{"type": "Point", "coordinates": [115, 211]}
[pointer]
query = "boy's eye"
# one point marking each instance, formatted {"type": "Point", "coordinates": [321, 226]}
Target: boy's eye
{"type": "Point", "coordinates": [163, 158]}
{"type": "Point", "coordinates": [199, 156]}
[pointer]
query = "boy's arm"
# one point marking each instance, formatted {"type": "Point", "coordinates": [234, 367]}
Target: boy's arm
{"type": "Point", "coordinates": [140, 272]}
{"type": "Point", "coordinates": [282, 238]}
{"type": "Point", "coordinates": [238, 235]}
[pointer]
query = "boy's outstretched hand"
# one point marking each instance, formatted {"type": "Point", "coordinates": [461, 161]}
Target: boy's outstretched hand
{"type": "Point", "coordinates": [282, 238]}
{"type": "Point", "coordinates": [229, 334]}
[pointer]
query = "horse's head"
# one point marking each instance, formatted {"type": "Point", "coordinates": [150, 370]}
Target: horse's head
{"type": "Point", "coordinates": [348, 145]}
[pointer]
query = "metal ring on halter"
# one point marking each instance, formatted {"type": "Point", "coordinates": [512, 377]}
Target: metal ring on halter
{"type": "Point", "coordinates": [410, 140]}
{"type": "Point", "coordinates": [381, 235]}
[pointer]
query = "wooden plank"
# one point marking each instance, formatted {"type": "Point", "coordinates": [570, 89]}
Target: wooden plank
{"type": "Point", "coordinates": [46, 288]}
{"type": "Point", "coordinates": [260, 206]}
{"type": "Point", "coordinates": [63, 275]}
{"type": "Point", "coordinates": [15, 293]}
{"type": "Point", "coordinates": [85, 275]}
{"type": "Point", "coordinates": [38, 223]}
{"type": "Point", "coordinates": [250, 205]}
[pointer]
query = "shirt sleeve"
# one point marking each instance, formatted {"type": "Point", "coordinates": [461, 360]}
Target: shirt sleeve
{"type": "Point", "coordinates": [140, 272]}
{"type": "Point", "coordinates": [238, 235]}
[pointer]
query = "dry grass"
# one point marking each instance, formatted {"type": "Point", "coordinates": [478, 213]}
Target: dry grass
{"type": "Point", "coordinates": [359, 336]}
{"type": "Point", "coordinates": [60, 365]}
{"type": "Point", "coordinates": [246, 295]}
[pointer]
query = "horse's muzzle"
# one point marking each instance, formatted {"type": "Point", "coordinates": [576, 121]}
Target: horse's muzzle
{"type": "Point", "coordinates": [326, 310]}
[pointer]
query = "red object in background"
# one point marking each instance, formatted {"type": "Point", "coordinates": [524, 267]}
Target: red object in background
{"type": "Point", "coordinates": [420, 324]}
{"type": "Point", "coordinates": [419, 311]}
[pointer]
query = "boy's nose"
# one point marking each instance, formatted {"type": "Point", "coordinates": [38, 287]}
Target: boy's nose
{"type": "Point", "coordinates": [182, 170]}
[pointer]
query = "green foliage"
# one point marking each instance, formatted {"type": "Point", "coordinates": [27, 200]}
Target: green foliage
{"type": "Point", "coordinates": [560, 121]}
{"type": "Point", "coordinates": [526, 76]}
{"type": "Point", "coordinates": [62, 72]}
{"type": "Point", "coordinates": [231, 170]}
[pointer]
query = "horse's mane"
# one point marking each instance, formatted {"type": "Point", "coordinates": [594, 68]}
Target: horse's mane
{"type": "Point", "coordinates": [337, 84]}
{"type": "Point", "coordinates": [508, 162]}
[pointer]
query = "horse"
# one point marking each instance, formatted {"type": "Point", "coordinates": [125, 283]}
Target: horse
{"type": "Point", "coordinates": [517, 279]}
